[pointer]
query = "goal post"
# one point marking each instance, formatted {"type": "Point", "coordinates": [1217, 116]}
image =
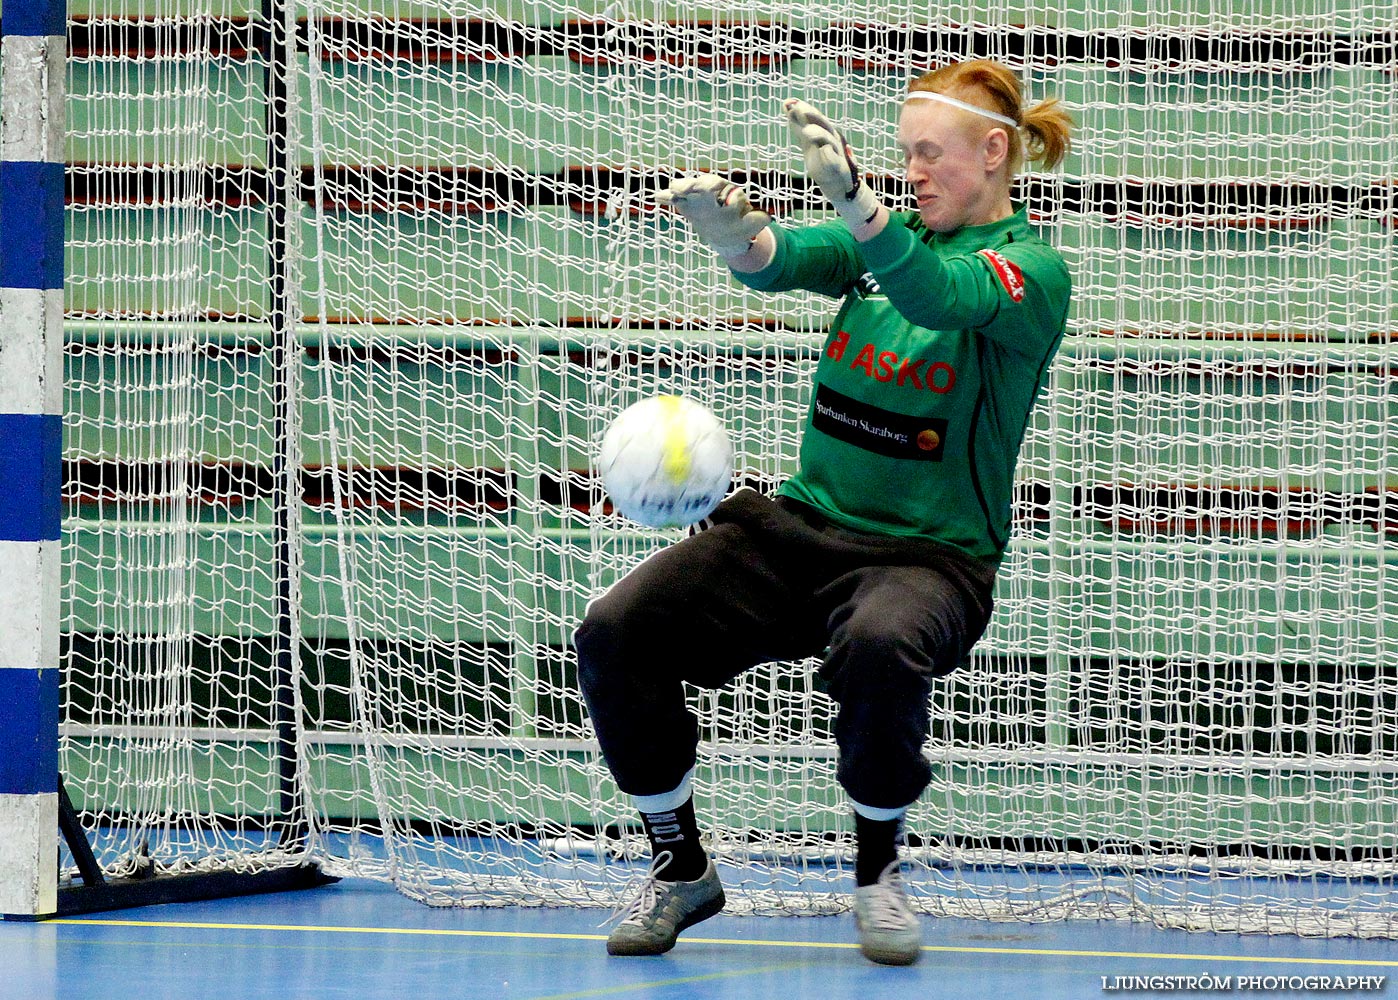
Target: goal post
{"type": "Point", "coordinates": [329, 519]}
{"type": "Point", "coordinates": [31, 406]}
{"type": "Point", "coordinates": [37, 816]}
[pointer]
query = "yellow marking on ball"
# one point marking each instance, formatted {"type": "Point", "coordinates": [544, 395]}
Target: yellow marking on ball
{"type": "Point", "coordinates": [676, 461]}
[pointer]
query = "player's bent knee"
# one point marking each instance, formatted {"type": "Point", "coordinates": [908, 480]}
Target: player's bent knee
{"type": "Point", "coordinates": [889, 650]}
{"type": "Point", "coordinates": [877, 652]}
{"type": "Point", "coordinates": [597, 641]}
{"type": "Point", "coordinates": [611, 642]}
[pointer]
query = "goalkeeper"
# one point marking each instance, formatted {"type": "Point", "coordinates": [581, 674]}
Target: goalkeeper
{"type": "Point", "coordinates": [881, 552]}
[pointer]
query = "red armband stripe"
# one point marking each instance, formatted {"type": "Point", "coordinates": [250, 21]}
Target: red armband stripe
{"type": "Point", "coordinates": [1009, 274]}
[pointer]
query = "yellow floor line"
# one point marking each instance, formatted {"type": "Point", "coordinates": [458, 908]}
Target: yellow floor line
{"type": "Point", "coordinates": [730, 942]}
{"type": "Point", "coordinates": [332, 929]}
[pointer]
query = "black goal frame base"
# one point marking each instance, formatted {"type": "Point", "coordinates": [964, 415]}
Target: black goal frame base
{"type": "Point", "coordinates": [125, 893]}
{"type": "Point", "coordinates": [146, 888]}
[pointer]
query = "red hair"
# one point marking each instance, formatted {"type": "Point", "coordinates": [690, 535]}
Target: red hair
{"type": "Point", "coordinates": [995, 87]}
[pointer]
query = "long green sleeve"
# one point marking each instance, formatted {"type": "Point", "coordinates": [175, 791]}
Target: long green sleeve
{"type": "Point", "coordinates": [822, 258]}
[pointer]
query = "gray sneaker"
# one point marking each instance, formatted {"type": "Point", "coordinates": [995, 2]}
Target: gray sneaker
{"type": "Point", "coordinates": [662, 909]}
{"type": "Point", "coordinates": [889, 932]}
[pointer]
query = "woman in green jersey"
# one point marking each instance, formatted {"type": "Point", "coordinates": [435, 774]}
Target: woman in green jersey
{"type": "Point", "coordinates": [880, 553]}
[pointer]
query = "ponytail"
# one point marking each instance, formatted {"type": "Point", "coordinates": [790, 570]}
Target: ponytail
{"type": "Point", "coordinates": [1046, 129]}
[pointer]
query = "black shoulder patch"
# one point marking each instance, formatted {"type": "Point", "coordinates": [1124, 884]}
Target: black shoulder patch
{"type": "Point", "coordinates": [866, 284]}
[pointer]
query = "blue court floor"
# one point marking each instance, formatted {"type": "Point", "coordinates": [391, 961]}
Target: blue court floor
{"type": "Point", "coordinates": [362, 940]}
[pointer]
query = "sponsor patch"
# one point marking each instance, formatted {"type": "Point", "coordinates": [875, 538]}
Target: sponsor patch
{"type": "Point", "coordinates": [1009, 274]}
{"type": "Point", "coordinates": [896, 435]}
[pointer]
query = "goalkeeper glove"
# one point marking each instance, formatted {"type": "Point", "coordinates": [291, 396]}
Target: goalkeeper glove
{"type": "Point", "coordinates": [718, 210]}
{"type": "Point", "coordinates": [830, 163]}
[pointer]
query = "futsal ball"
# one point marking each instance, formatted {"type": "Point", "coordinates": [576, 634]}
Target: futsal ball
{"type": "Point", "coordinates": [666, 462]}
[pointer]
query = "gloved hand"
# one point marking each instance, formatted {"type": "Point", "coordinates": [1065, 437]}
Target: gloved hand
{"type": "Point", "coordinates": [830, 163]}
{"type": "Point", "coordinates": [718, 210]}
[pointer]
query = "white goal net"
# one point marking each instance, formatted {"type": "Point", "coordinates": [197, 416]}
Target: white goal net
{"type": "Point", "coordinates": [321, 575]}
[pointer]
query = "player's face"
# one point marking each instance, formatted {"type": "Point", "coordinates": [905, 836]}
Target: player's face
{"type": "Point", "coordinates": [953, 165]}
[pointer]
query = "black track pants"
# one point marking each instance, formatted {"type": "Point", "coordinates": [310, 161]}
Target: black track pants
{"type": "Point", "coordinates": [774, 581]}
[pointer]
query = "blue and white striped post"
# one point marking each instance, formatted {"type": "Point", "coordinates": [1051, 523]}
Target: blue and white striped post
{"type": "Point", "coordinates": [31, 438]}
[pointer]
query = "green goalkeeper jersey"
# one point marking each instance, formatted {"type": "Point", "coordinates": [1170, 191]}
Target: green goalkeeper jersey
{"type": "Point", "coordinates": [928, 375]}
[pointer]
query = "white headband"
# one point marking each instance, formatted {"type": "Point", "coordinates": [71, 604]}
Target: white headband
{"type": "Point", "coordinates": [927, 95]}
